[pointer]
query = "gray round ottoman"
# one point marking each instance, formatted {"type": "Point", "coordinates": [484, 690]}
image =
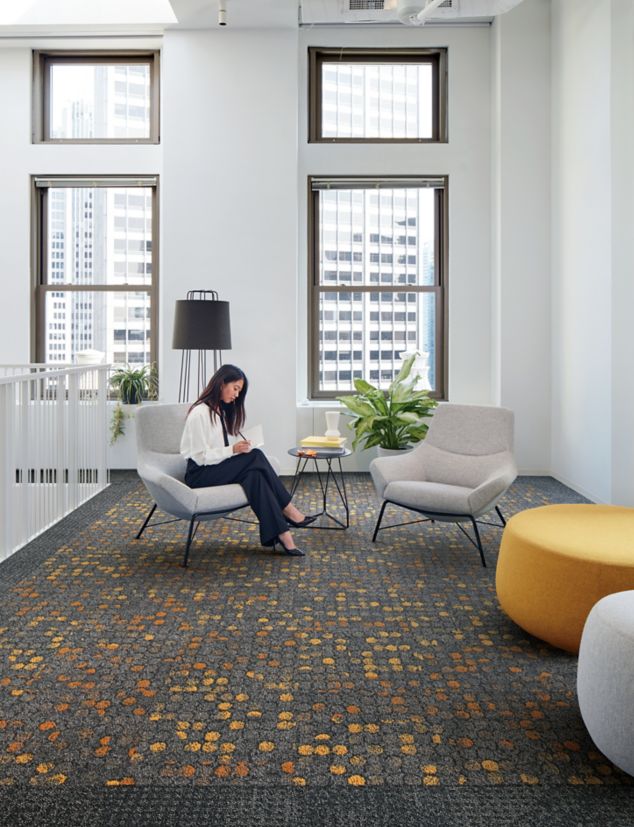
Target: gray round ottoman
{"type": "Point", "coordinates": [605, 677]}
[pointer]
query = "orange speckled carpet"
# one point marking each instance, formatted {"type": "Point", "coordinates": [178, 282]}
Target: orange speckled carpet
{"type": "Point", "coordinates": [362, 684]}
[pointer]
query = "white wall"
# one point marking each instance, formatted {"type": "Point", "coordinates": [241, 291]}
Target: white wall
{"type": "Point", "coordinates": [15, 92]}
{"type": "Point", "coordinates": [622, 120]}
{"type": "Point", "coordinates": [593, 398]}
{"type": "Point", "coordinates": [229, 195]}
{"type": "Point", "coordinates": [521, 227]}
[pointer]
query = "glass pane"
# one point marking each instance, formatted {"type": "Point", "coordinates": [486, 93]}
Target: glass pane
{"type": "Point", "coordinates": [376, 100]}
{"type": "Point", "coordinates": [116, 324]}
{"type": "Point", "coordinates": [377, 237]}
{"type": "Point", "coordinates": [99, 235]}
{"type": "Point", "coordinates": [99, 100]}
{"type": "Point", "coordinates": [364, 335]}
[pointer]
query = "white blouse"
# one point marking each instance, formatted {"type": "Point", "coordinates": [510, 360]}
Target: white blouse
{"type": "Point", "coordinates": [203, 440]}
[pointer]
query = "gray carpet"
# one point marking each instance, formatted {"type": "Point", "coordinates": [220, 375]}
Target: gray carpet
{"type": "Point", "coordinates": [365, 684]}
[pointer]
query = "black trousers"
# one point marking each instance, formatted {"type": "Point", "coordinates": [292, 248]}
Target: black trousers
{"type": "Point", "coordinates": [263, 488]}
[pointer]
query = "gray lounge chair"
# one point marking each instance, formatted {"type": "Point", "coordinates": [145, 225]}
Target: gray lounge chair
{"type": "Point", "coordinates": [458, 473]}
{"type": "Point", "coordinates": [162, 470]}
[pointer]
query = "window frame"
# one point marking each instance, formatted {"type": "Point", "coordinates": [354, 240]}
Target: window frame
{"type": "Point", "coordinates": [439, 288]}
{"type": "Point", "coordinates": [437, 57]}
{"type": "Point", "coordinates": [44, 59]}
{"type": "Point", "coordinates": [39, 261]}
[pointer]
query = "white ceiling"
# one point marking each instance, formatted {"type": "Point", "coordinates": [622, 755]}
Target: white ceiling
{"type": "Point", "coordinates": [58, 18]}
{"type": "Point", "coordinates": [21, 18]}
{"type": "Point", "coordinates": [241, 14]}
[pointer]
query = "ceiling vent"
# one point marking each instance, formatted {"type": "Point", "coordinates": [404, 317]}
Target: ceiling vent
{"type": "Point", "coordinates": [408, 12]}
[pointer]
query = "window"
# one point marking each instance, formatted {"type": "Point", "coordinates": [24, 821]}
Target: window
{"type": "Point", "coordinates": [378, 95]}
{"type": "Point", "coordinates": [399, 303]}
{"type": "Point", "coordinates": [103, 293]}
{"type": "Point", "coordinates": [96, 97]}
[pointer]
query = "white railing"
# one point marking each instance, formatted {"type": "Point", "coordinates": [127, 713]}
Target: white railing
{"type": "Point", "coordinates": [53, 446]}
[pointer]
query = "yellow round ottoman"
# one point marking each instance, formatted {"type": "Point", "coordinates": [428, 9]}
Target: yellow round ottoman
{"type": "Point", "coordinates": [555, 562]}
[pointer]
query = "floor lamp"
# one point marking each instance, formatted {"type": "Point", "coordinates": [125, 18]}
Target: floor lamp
{"type": "Point", "coordinates": [200, 323]}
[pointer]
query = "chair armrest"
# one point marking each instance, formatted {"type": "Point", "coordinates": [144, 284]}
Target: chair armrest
{"type": "Point", "coordinates": [484, 497]}
{"type": "Point", "coordinates": [385, 470]}
{"type": "Point", "coordinates": [171, 495]}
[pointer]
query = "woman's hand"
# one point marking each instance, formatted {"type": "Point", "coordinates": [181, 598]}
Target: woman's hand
{"type": "Point", "coordinates": [242, 447]}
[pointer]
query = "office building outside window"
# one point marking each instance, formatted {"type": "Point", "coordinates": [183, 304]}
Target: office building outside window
{"type": "Point", "coordinates": [96, 275]}
{"type": "Point", "coordinates": [96, 97]}
{"type": "Point", "coordinates": [374, 95]}
{"type": "Point", "coordinates": [96, 238]}
{"type": "Point", "coordinates": [377, 246]}
{"type": "Point", "coordinates": [377, 280]}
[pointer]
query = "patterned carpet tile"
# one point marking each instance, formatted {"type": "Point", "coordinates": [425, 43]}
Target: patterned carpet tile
{"type": "Point", "coordinates": [360, 665]}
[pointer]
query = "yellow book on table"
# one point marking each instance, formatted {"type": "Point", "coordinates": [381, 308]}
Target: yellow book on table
{"type": "Point", "coordinates": [322, 441]}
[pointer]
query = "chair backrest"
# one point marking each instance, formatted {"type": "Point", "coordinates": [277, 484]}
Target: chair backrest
{"type": "Point", "coordinates": [472, 430]}
{"type": "Point", "coordinates": [158, 435]}
{"type": "Point", "coordinates": [466, 444]}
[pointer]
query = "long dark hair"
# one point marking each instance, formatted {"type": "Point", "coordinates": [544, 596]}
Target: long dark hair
{"type": "Point", "coordinates": [233, 413]}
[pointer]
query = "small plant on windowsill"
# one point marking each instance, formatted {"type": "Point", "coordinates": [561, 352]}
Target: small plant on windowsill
{"type": "Point", "coordinates": [132, 386]}
{"type": "Point", "coordinates": [392, 419]}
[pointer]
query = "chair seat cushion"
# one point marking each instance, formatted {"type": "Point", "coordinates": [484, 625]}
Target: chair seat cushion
{"type": "Point", "coordinates": [220, 497]}
{"type": "Point", "coordinates": [433, 497]}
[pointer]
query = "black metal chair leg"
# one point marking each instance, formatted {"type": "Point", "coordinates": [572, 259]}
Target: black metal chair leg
{"type": "Point", "coordinates": [479, 543]}
{"type": "Point", "coordinates": [378, 522]}
{"type": "Point", "coordinates": [147, 520]}
{"type": "Point", "coordinates": [500, 515]}
{"type": "Point", "coordinates": [190, 535]}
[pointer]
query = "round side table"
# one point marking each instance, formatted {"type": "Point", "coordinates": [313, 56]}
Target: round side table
{"type": "Point", "coordinates": [330, 475]}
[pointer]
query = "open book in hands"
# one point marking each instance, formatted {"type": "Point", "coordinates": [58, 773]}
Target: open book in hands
{"type": "Point", "coordinates": [255, 436]}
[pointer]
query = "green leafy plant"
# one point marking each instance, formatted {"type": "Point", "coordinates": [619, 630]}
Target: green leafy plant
{"type": "Point", "coordinates": [393, 418]}
{"type": "Point", "coordinates": [117, 424]}
{"type": "Point", "coordinates": [133, 385]}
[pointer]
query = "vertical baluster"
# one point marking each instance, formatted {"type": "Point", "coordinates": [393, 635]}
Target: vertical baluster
{"type": "Point", "coordinates": [50, 451]}
{"type": "Point", "coordinates": [46, 447]}
{"type": "Point", "coordinates": [11, 421]}
{"type": "Point", "coordinates": [83, 413]}
{"type": "Point", "coordinates": [104, 473]}
{"type": "Point", "coordinates": [58, 437]}
{"type": "Point", "coordinates": [72, 441]}
{"type": "Point", "coordinates": [40, 453]}
{"type": "Point", "coordinates": [24, 497]}
{"type": "Point", "coordinates": [80, 441]}
{"type": "Point", "coordinates": [32, 440]}
{"type": "Point", "coordinates": [65, 454]}
{"type": "Point", "coordinates": [5, 470]}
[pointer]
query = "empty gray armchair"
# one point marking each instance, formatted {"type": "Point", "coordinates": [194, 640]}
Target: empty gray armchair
{"type": "Point", "coordinates": [162, 469]}
{"type": "Point", "coordinates": [457, 474]}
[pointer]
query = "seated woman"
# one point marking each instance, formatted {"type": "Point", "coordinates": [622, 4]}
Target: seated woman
{"type": "Point", "coordinates": [217, 454]}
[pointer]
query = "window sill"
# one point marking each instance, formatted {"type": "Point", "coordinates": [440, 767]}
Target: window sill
{"type": "Point", "coordinates": [320, 403]}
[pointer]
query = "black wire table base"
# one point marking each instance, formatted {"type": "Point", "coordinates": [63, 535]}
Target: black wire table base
{"type": "Point", "coordinates": [330, 475]}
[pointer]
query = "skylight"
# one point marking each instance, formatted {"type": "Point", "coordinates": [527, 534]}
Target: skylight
{"type": "Point", "coordinates": [80, 12]}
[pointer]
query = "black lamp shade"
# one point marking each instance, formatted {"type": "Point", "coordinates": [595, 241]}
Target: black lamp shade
{"type": "Point", "coordinates": [201, 325]}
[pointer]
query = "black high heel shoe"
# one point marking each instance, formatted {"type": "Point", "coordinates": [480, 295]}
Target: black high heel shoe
{"type": "Point", "coordinates": [291, 552]}
{"type": "Point", "coordinates": [302, 523]}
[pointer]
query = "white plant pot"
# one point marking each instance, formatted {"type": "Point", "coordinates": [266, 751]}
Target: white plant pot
{"type": "Point", "coordinates": [392, 452]}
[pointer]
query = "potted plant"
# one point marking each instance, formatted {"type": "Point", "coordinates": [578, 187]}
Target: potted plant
{"type": "Point", "coordinates": [132, 386]}
{"type": "Point", "coordinates": [392, 419]}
